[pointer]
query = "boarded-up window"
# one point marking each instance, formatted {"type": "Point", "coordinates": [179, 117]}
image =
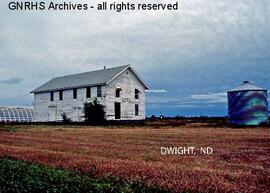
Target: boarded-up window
{"type": "Point", "coordinates": [136, 110]}
{"type": "Point", "coordinates": [74, 93]}
{"type": "Point", "coordinates": [60, 95]}
{"type": "Point", "coordinates": [99, 92]}
{"type": "Point", "coordinates": [88, 92]}
{"type": "Point", "coordinates": [137, 93]}
{"type": "Point", "coordinates": [117, 92]}
{"type": "Point", "coordinates": [51, 96]}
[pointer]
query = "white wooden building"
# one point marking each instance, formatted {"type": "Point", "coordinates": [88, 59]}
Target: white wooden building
{"type": "Point", "coordinates": [120, 90]}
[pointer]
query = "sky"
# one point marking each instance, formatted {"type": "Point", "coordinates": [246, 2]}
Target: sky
{"type": "Point", "coordinates": [189, 57]}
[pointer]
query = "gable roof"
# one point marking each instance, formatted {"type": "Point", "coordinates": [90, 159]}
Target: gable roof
{"type": "Point", "coordinates": [93, 78]}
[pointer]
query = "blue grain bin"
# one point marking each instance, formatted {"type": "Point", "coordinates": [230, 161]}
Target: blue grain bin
{"type": "Point", "coordinates": [247, 105]}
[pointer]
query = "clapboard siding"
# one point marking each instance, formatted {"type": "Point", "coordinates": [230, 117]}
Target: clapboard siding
{"type": "Point", "coordinates": [42, 103]}
{"type": "Point", "coordinates": [128, 83]}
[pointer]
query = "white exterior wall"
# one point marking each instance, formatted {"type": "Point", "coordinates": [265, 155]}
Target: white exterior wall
{"type": "Point", "coordinates": [68, 105]}
{"type": "Point", "coordinates": [127, 81]}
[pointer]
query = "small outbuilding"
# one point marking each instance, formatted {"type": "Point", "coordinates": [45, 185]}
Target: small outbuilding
{"type": "Point", "coordinates": [248, 105]}
{"type": "Point", "coordinates": [16, 114]}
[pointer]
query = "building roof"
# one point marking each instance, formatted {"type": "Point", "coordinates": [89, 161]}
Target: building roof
{"type": "Point", "coordinates": [247, 86]}
{"type": "Point", "coordinates": [93, 78]}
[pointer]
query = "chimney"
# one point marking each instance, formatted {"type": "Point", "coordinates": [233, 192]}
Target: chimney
{"type": "Point", "coordinates": [104, 67]}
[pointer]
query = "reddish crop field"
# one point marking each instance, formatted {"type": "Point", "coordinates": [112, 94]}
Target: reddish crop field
{"type": "Point", "coordinates": [240, 161]}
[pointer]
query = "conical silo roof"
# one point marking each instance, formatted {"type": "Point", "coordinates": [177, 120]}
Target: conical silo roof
{"type": "Point", "coordinates": [246, 86]}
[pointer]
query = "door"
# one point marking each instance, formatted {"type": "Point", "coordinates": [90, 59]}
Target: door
{"type": "Point", "coordinates": [75, 117]}
{"type": "Point", "coordinates": [117, 110]}
{"type": "Point", "coordinates": [52, 114]}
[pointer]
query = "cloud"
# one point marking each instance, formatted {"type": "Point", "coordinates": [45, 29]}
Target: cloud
{"type": "Point", "coordinates": [207, 46]}
{"type": "Point", "coordinates": [178, 103]}
{"type": "Point", "coordinates": [12, 81]}
{"type": "Point", "coordinates": [157, 91]}
{"type": "Point", "coordinates": [211, 97]}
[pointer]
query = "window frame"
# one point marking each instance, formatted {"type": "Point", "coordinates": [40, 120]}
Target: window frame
{"type": "Point", "coordinates": [136, 93]}
{"type": "Point", "coordinates": [51, 95]}
{"type": "Point", "coordinates": [75, 93]}
{"type": "Point", "coordinates": [88, 92]}
{"type": "Point", "coordinates": [60, 95]}
{"type": "Point", "coordinates": [118, 93]}
{"type": "Point", "coordinates": [136, 110]}
{"type": "Point", "coordinates": [99, 91]}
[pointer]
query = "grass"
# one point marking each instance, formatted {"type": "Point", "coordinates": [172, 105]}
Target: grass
{"type": "Point", "coordinates": [20, 176]}
{"type": "Point", "coordinates": [9, 128]}
{"type": "Point", "coordinates": [240, 161]}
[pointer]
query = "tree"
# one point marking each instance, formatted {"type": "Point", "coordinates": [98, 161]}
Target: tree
{"type": "Point", "coordinates": [94, 112]}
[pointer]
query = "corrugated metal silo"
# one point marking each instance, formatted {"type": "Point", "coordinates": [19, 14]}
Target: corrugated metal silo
{"type": "Point", "coordinates": [248, 105]}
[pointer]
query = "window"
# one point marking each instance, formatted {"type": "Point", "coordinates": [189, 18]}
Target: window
{"type": "Point", "coordinates": [88, 92]}
{"type": "Point", "coordinates": [51, 96]}
{"type": "Point", "coordinates": [74, 93]}
{"type": "Point", "coordinates": [60, 95]}
{"type": "Point", "coordinates": [99, 93]}
{"type": "Point", "coordinates": [117, 92]}
{"type": "Point", "coordinates": [137, 93]}
{"type": "Point", "coordinates": [136, 110]}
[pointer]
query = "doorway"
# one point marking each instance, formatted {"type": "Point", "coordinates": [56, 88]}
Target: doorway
{"type": "Point", "coordinates": [117, 110]}
{"type": "Point", "coordinates": [52, 114]}
{"type": "Point", "coordinates": [75, 114]}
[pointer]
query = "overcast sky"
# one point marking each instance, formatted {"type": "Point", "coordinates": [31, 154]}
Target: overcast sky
{"type": "Point", "coordinates": [190, 57]}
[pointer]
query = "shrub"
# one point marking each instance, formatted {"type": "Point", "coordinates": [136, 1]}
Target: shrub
{"type": "Point", "coordinates": [94, 112]}
{"type": "Point", "coordinates": [65, 118]}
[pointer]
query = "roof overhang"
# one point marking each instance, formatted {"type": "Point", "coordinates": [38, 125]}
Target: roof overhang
{"type": "Point", "coordinates": [264, 90]}
{"type": "Point", "coordinates": [66, 88]}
